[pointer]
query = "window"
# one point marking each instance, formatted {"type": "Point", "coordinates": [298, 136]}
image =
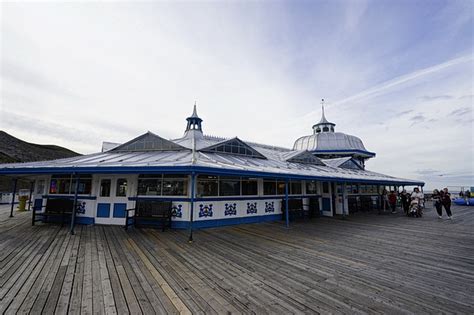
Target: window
{"type": "Point", "coordinates": [61, 184]}
{"type": "Point", "coordinates": [269, 187]}
{"type": "Point", "coordinates": [229, 186]}
{"type": "Point", "coordinates": [235, 146]}
{"type": "Point", "coordinates": [207, 185]}
{"type": "Point", "coordinates": [121, 190]}
{"type": "Point", "coordinates": [325, 188]}
{"type": "Point", "coordinates": [40, 186]}
{"type": "Point", "coordinates": [105, 188]}
{"type": "Point", "coordinates": [281, 188]}
{"type": "Point", "coordinates": [352, 189]}
{"type": "Point", "coordinates": [311, 188]}
{"type": "Point", "coordinates": [163, 185]}
{"type": "Point", "coordinates": [363, 189]}
{"type": "Point", "coordinates": [175, 185]}
{"type": "Point", "coordinates": [325, 129]}
{"type": "Point", "coordinates": [249, 186]}
{"type": "Point", "coordinates": [318, 130]}
{"type": "Point", "coordinates": [295, 188]}
{"type": "Point", "coordinates": [149, 185]}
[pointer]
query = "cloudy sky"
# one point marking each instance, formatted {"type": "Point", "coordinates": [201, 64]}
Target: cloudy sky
{"type": "Point", "coordinates": [398, 74]}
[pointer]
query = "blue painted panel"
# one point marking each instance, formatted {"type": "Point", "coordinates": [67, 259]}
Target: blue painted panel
{"type": "Point", "coordinates": [326, 204]}
{"type": "Point", "coordinates": [38, 204]}
{"type": "Point", "coordinates": [119, 210]}
{"type": "Point", "coordinates": [220, 222]}
{"type": "Point", "coordinates": [103, 210]}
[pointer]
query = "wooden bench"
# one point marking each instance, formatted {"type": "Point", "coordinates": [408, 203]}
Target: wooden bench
{"type": "Point", "coordinates": [54, 208]}
{"type": "Point", "coordinates": [150, 211]}
{"type": "Point", "coordinates": [295, 209]}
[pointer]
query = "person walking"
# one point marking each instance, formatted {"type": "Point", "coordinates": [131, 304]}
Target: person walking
{"type": "Point", "coordinates": [392, 200]}
{"type": "Point", "coordinates": [467, 196]}
{"type": "Point", "coordinates": [437, 203]}
{"type": "Point", "coordinates": [405, 200]}
{"type": "Point", "coordinates": [446, 202]}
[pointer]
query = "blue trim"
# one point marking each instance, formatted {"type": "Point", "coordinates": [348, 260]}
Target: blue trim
{"type": "Point", "coordinates": [119, 210]}
{"type": "Point", "coordinates": [79, 197]}
{"type": "Point", "coordinates": [223, 198]}
{"type": "Point", "coordinates": [345, 151]}
{"type": "Point", "coordinates": [225, 222]}
{"type": "Point", "coordinates": [189, 170]}
{"type": "Point", "coordinates": [103, 210]}
{"type": "Point", "coordinates": [85, 220]}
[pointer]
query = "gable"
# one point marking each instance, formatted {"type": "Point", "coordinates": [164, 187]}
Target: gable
{"type": "Point", "coordinates": [234, 146]}
{"type": "Point", "coordinates": [148, 142]}
{"type": "Point", "coordinates": [305, 157]}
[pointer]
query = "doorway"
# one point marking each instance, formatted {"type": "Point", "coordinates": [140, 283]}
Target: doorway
{"type": "Point", "coordinates": [112, 200]}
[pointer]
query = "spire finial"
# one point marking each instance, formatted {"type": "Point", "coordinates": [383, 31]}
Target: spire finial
{"type": "Point", "coordinates": [322, 105]}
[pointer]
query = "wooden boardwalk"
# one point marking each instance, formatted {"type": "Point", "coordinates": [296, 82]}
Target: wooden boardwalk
{"type": "Point", "coordinates": [366, 264]}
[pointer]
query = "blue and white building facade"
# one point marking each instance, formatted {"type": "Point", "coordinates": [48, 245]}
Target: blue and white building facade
{"type": "Point", "coordinates": [211, 181]}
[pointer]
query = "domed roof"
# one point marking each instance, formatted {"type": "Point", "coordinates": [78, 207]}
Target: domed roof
{"type": "Point", "coordinates": [325, 141]}
{"type": "Point", "coordinates": [329, 141]}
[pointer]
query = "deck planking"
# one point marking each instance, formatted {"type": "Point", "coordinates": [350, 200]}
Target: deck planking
{"type": "Point", "coordinates": [367, 263]}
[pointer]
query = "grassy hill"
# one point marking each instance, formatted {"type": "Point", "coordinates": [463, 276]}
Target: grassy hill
{"type": "Point", "coordinates": [14, 150]}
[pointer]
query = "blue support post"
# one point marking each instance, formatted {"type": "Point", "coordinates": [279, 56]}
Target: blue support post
{"type": "Point", "coordinates": [193, 180]}
{"type": "Point", "coordinates": [15, 181]}
{"type": "Point", "coordinates": [74, 205]}
{"type": "Point", "coordinates": [287, 212]}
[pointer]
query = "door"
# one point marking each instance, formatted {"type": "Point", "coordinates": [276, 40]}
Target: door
{"type": "Point", "coordinates": [112, 200]}
{"type": "Point", "coordinates": [326, 200]}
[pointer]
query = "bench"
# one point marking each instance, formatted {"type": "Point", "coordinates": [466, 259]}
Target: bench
{"type": "Point", "coordinates": [150, 211]}
{"type": "Point", "coordinates": [54, 208]}
{"type": "Point", "coordinates": [295, 209]}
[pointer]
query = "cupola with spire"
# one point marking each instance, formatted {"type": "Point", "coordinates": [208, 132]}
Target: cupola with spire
{"type": "Point", "coordinates": [323, 125]}
{"type": "Point", "coordinates": [194, 122]}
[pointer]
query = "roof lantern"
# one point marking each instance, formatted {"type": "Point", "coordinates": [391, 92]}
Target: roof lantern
{"type": "Point", "coordinates": [323, 125]}
{"type": "Point", "coordinates": [194, 122]}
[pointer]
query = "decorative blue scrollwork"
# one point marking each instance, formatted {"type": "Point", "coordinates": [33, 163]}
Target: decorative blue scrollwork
{"type": "Point", "coordinates": [269, 206]}
{"type": "Point", "coordinates": [81, 207]}
{"type": "Point", "coordinates": [177, 211]}
{"type": "Point", "coordinates": [230, 209]}
{"type": "Point", "coordinates": [251, 207]}
{"type": "Point", "coordinates": [205, 210]}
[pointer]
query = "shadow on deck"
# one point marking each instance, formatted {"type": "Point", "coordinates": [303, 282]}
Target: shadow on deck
{"type": "Point", "coordinates": [365, 264]}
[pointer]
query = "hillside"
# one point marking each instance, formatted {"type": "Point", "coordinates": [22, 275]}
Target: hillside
{"type": "Point", "coordinates": [13, 150]}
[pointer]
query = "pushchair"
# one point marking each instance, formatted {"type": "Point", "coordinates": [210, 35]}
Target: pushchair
{"type": "Point", "coordinates": [416, 209]}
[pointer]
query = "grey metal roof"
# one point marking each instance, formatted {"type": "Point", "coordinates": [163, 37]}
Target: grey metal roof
{"type": "Point", "coordinates": [274, 165]}
{"type": "Point", "coordinates": [329, 141]}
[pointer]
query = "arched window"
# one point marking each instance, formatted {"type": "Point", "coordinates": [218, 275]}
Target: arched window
{"type": "Point", "coordinates": [318, 130]}
{"type": "Point", "coordinates": [325, 129]}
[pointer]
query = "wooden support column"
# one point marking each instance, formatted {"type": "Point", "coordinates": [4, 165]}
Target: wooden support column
{"type": "Point", "coordinates": [287, 212]}
{"type": "Point", "coordinates": [191, 219]}
{"type": "Point", "coordinates": [74, 205]}
{"type": "Point", "coordinates": [14, 181]}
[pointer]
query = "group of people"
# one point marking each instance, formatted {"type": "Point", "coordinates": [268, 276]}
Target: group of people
{"type": "Point", "coordinates": [442, 198]}
{"type": "Point", "coordinates": [414, 203]}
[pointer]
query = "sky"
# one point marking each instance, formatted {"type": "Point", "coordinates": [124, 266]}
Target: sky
{"type": "Point", "coordinates": [397, 74]}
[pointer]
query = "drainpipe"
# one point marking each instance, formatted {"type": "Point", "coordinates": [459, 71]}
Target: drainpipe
{"type": "Point", "coordinates": [287, 212]}
{"type": "Point", "coordinates": [193, 180]}
{"type": "Point", "coordinates": [15, 181]}
{"type": "Point", "coordinates": [73, 215]}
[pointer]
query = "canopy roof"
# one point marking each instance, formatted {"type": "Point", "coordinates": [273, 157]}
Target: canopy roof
{"type": "Point", "coordinates": [278, 162]}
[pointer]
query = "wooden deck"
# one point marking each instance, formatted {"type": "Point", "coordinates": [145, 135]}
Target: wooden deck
{"type": "Point", "coordinates": [367, 264]}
